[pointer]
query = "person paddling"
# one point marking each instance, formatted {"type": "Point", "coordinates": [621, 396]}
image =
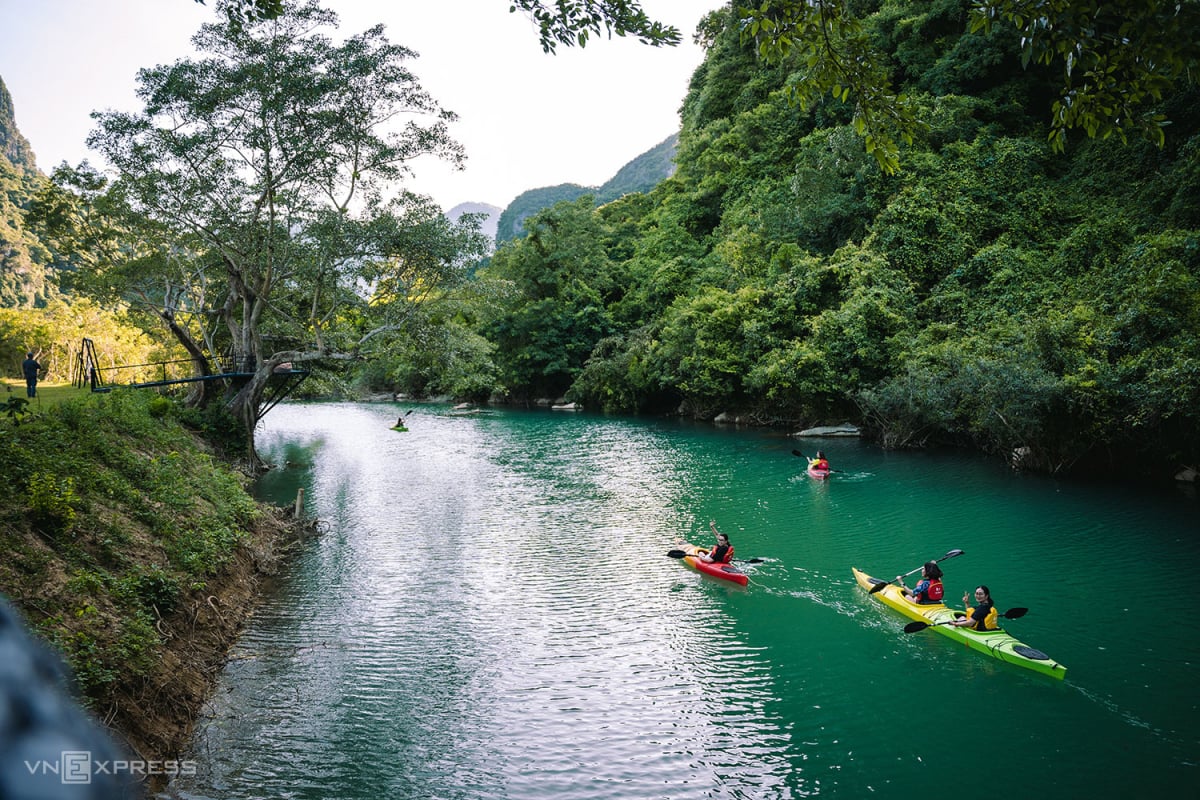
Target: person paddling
{"type": "Point", "coordinates": [722, 553]}
{"type": "Point", "coordinates": [929, 589]}
{"type": "Point", "coordinates": [820, 463]}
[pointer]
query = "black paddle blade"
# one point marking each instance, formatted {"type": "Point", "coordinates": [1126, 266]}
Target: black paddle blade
{"type": "Point", "coordinates": [878, 587]}
{"type": "Point", "coordinates": [676, 554]}
{"type": "Point", "coordinates": [1015, 613]}
{"type": "Point", "coordinates": [913, 627]}
{"type": "Point", "coordinates": [798, 453]}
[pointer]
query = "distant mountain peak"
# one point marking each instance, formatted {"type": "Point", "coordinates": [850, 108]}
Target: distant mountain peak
{"type": "Point", "coordinates": [490, 221]}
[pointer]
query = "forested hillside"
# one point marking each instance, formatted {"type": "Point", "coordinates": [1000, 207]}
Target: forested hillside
{"type": "Point", "coordinates": [991, 292]}
{"type": "Point", "coordinates": [22, 258]}
{"type": "Point", "coordinates": [640, 175]}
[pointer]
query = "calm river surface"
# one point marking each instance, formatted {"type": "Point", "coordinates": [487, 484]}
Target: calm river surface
{"type": "Point", "coordinates": [490, 613]}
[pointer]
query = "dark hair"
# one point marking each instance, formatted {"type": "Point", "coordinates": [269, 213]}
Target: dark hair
{"type": "Point", "coordinates": [986, 591]}
{"type": "Point", "coordinates": [820, 454]}
{"type": "Point", "coordinates": [933, 570]}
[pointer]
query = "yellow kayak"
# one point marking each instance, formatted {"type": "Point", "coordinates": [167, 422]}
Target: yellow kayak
{"type": "Point", "coordinates": [998, 643]}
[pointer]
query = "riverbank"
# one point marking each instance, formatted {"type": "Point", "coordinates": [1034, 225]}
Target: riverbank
{"type": "Point", "coordinates": [154, 715]}
{"type": "Point", "coordinates": [134, 547]}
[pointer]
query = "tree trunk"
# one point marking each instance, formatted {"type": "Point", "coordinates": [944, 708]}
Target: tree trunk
{"type": "Point", "coordinates": [245, 405]}
{"type": "Point", "coordinates": [202, 391]}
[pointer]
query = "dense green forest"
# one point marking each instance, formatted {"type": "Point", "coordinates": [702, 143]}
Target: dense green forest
{"type": "Point", "coordinates": [990, 293]}
{"type": "Point", "coordinates": [987, 275]}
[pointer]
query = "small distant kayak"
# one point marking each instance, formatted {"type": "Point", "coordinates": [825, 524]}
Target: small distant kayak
{"type": "Point", "coordinates": [725, 572]}
{"type": "Point", "coordinates": [998, 644]}
{"type": "Point", "coordinates": [819, 474]}
{"type": "Point", "coordinates": [400, 428]}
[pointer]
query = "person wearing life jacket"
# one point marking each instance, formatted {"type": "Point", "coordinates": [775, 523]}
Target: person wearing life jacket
{"type": "Point", "coordinates": [722, 553]}
{"type": "Point", "coordinates": [820, 462]}
{"type": "Point", "coordinates": [929, 590]}
{"type": "Point", "coordinates": [983, 616]}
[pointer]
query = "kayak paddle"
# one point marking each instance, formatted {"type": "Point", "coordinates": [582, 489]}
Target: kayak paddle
{"type": "Point", "coordinates": [801, 455]}
{"type": "Point", "coordinates": [952, 554]}
{"type": "Point", "coordinates": [683, 553]}
{"type": "Point", "coordinates": [913, 627]}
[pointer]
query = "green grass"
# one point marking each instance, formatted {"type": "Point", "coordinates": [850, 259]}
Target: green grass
{"type": "Point", "coordinates": [49, 395]}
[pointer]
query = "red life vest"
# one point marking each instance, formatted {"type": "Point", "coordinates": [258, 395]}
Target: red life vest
{"type": "Point", "coordinates": [936, 591]}
{"type": "Point", "coordinates": [719, 557]}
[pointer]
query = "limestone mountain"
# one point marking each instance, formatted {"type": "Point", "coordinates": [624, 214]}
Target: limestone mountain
{"type": "Point", "coordinates": [640, 175]}
{"type": "Point", "coordinates": [13, 146]}
{"type": "Point", "coordinates": [491, 216]}
{"type": "Point", "coordinates": [23, 259]}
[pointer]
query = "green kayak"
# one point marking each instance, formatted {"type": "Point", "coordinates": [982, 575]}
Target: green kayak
{"type": "Point", "coordinates": [998, 644]}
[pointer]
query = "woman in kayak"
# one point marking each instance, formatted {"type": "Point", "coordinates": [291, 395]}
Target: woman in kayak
{"type": "Point", "coordinates": [722, 553]}
{"type": "Point", "coordinates": [929, 589]}
{"type": "Point", "coordinates": [820, 462]}
{"type": "Point", "coordinates": [983, 616]}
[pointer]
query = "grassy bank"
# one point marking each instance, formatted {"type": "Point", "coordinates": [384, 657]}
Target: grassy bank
{"type": "Point", "coordinates": [130, 544]}
{"type": "Point", "coordinates": [49, 395]}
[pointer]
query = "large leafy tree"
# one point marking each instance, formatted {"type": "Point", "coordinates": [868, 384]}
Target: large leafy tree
{"type": "Point", "coordinates": [254, 183]}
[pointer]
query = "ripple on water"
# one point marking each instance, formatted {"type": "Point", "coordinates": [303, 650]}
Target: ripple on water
{"type": "Point", "coordinates": [490, 614]}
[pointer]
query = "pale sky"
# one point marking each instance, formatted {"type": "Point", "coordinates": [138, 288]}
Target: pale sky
{"type": "Point", "coordinates": [527, 119]}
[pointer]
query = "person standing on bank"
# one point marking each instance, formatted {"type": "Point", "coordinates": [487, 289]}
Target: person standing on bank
{"type": "Point", "coordinates": [30, 367]}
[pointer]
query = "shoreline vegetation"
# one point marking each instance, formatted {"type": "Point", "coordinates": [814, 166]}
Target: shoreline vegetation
{"type": "Point", "coordinates": [131, 543]}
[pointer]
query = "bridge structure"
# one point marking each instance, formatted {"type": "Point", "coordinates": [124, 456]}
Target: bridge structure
{"type": "Point", "coordinates": [234, 369]}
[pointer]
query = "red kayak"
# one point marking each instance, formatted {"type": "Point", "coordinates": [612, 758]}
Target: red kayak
{"type": "Point", "coordinates": [722, 571]}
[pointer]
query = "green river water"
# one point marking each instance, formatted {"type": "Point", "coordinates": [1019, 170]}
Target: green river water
{"type": "Point", "coordinates": [489, 612]}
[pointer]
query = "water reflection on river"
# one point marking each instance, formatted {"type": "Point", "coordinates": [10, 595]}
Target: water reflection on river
{"type": "Point", "coordinates": [490, 614]}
